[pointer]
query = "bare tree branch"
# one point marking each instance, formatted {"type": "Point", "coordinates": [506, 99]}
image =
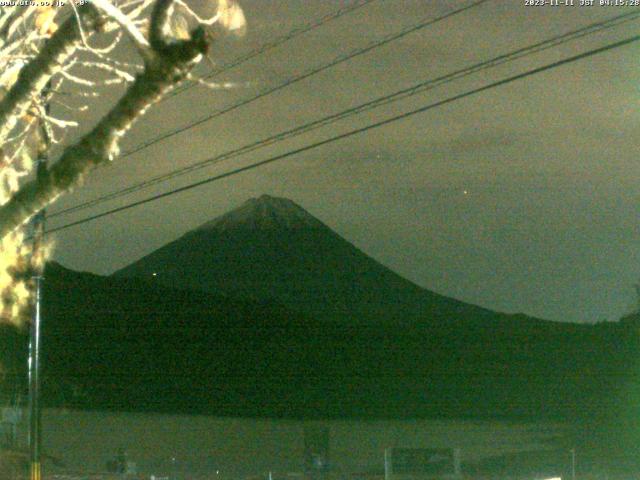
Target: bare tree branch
{"type": "Point", "coordinates": [159, 23]}
{"type": "Point", "coordinates": [168, 64]}
{"type": "Point", "coordinates": [35, 75]}
{"type": "Point", "coordinates": [36, 56]}
{"type": "Point", "coordinates": [125, 22]}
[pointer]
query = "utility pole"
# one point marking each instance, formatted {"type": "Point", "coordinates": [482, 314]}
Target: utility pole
{"type": "Point", "coordinates": [573, 464]}
{"type": "Point", "coordinates": [37, 266]}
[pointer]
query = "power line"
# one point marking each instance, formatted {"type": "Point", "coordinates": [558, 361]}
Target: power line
{"type": "Point", "coordinates": [357, 131]}
{"type": "Point", "coordinates": [273, 44]}
{"type": "Point", "coordinates": [277, 42]}
{"type": "Point", "coordinates": [380, 101]}
{"type": "Point", "coordinates": [314, 71]}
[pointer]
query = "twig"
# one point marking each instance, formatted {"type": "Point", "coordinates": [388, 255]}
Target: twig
{"type": "Point", "coordinates": [35, 75]}
{"type": "Point", "coordinates": [167, 65]}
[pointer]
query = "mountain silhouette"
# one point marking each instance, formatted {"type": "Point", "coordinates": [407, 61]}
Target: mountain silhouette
{"type": "Point", "coordinates": [270, 248]}
{"type": "Point", "coordinates": [134, 344]}
{"type": "Point", "coordinates": [266, 312]}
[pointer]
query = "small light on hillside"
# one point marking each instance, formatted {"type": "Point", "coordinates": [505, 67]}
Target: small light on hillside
{"type": "Point", "coordinates": [154, 274]}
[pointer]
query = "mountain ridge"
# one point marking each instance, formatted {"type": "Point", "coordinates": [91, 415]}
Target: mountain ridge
{"type": "Point", "coordinates": [271, 248]}
{"type": "Point", "coordinates": [135, 345]}
{"type": "Point", "coordinates": [138, 343]}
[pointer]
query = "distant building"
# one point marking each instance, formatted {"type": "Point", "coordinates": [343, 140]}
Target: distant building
{"type": "Point", "coordinates": [182, 447]}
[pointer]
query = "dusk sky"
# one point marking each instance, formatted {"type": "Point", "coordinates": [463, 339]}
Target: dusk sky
{"type": "Point", "coordinates": [523, 198]}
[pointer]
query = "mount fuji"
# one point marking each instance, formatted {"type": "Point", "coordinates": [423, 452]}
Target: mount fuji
{"type": "Point", "coordinates": [271, 249]}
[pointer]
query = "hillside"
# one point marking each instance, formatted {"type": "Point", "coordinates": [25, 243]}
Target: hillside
{"type": "Point", "coordinates": [127, 344]}
{"type": "Point", "coordinates": [265, 311]}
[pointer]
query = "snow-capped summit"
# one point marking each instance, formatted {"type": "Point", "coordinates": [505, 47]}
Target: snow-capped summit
{"type": "Point", "coordinates": [264, 212]}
